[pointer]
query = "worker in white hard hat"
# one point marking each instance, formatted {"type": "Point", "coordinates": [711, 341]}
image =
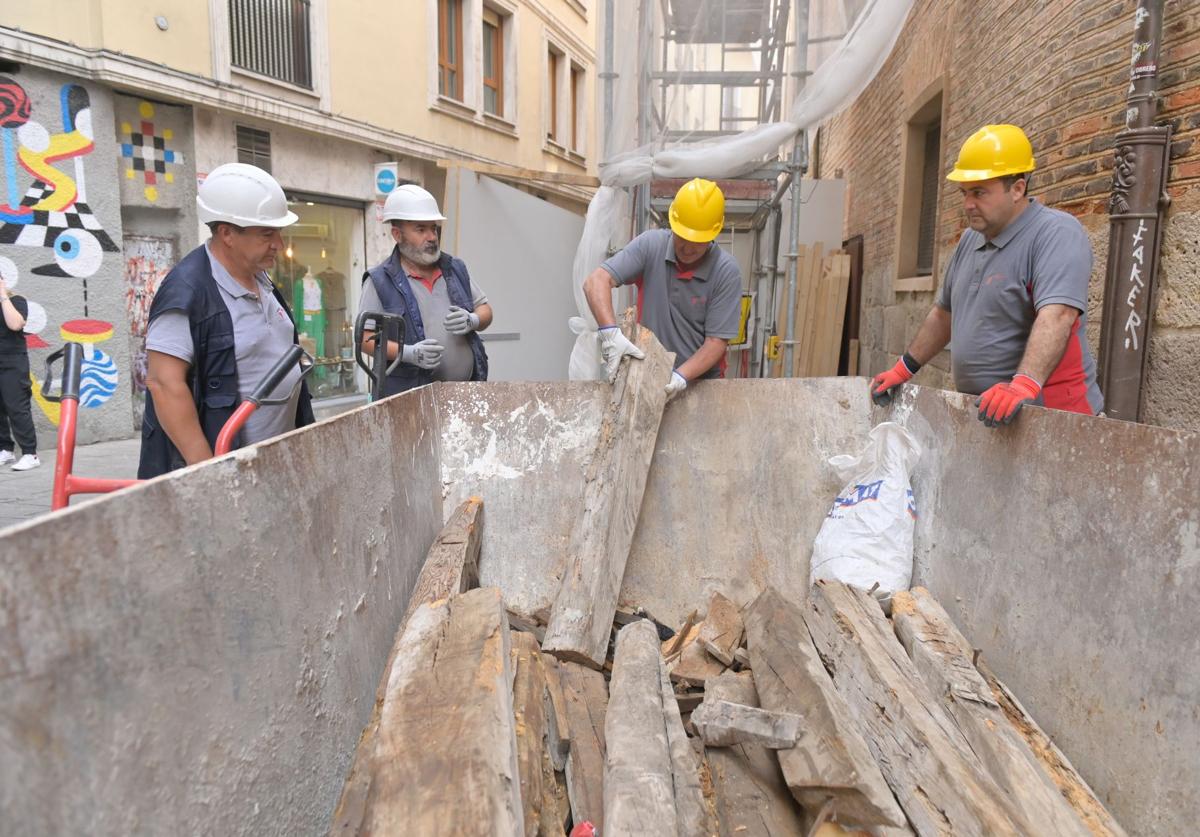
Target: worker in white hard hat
{"type": "Point", "coordinates": [689, 289]}
{"type": "Point", "coordinates": [218, 325]}
{"type": "Point", "coordinates": [443, 309]}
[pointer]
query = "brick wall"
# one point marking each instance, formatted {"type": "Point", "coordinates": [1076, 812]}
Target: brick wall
{"type": "Point", "coordinates": [1060, 70]}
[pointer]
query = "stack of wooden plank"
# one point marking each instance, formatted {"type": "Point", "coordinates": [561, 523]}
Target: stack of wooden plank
{"type": "Point", "coordinates": [902, 731]}
{"type": "Point", "coordinates": [761, 718]}
{"type": "Point", "coordinates": [819, 718]}
{"type": "Point", "coordinates": [817, 317]}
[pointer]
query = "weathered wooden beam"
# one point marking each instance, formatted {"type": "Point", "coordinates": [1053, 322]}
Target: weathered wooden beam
{"type": "Point", "coordinates": [639, 793]}
{"type": "Point", "coordinates": [830, 759]}
{"type": "Point", "coordinates": [582, 616]}
{"type": "Point", "coordinates": [523, 623]}
{"type": "Point", "coordinates": [691, 813]}
{"type": "Point", "coordinates": [558, 734]}
{"type": "Point", "coordinates": [927, 762]}
{"type": "Point", "coordinates": [942, 656]}
{"type": "Point", "coordinates": [694, 666]}
{"type": "Point", "coordinates": [585, 695]}
{"type": "Point", "coordinates": [538, 791]}
{"type": "Point", "coordinates": [1064, 775]}
{"type": "Point", "coordinates": [752, 799]}
{"type": "Point", "coordinates": [688, 701]}
{"type": "Point", "coordinates": [721, 723]}
{"type": "Point", "coordinates": [447, 724]}
{"type": "Point", "coordinates": [721, 632]}
{"type": "Point", "coordinates": [688, 633]}
{"type": "Point", "coordinates": [451, 566]}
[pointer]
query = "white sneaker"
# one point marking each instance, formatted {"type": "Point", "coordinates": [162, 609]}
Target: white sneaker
{"type": "Point", "coordinates": [27, 462]}
{"type": "Point", "coordinates": [6, 456]}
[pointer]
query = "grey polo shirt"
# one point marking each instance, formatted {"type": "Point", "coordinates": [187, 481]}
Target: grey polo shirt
{"type": "Point", "coordinates": [681, 312]}
{"type": "Point", "coordinates": [262, 332]}
{"type": "Point", "coordinates": [994, 289]}
{"type": "Point", "coordinates": [458, 361]}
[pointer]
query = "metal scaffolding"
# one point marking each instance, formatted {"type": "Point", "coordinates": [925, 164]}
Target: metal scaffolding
{"type": "Point", "coordinates": [720, 67]}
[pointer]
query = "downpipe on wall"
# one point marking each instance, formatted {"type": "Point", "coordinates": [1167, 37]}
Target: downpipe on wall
{"type": "Point", "coordinates": [1136, 207]}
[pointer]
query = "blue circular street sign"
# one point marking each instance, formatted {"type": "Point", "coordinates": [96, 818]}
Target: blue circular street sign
{"type": "Point", "coordinates": [385, 181]}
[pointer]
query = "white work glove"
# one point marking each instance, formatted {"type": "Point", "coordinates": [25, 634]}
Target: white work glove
{"type": "Point", "coordinates": [614, 345]}
{"type": "Point", "coordinates": [675, 385]}
{"type": "Point", "coordinates": [460, 321]}
{"type": "Point", "coordinates": [427, 354]}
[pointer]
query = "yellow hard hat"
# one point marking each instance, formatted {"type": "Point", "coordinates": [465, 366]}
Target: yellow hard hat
{"type": "Point", "coordinates": [993, 151]}
{"type": "Point", "coordinates": [698, 211]}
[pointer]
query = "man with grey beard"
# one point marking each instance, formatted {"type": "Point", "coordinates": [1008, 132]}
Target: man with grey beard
{"type": "Point", "coordinates": [443, 309]}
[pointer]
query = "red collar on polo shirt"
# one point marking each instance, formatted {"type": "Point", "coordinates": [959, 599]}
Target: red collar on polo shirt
{"type": "Point", "coordinates": [685, 275]}
{"type": "Point", "coordinates": [429, 283]}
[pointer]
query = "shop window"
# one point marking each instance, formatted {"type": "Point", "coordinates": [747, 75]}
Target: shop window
{"type": "Point", "coordinates": [272, 38]}
{"type": "Point", "coordinates": [323, 250]}
{"type": "Point", "coordinates": [493, 63]}
{"type": "Point", "coordinates": [450, 48]}
{"type": "Point", "coordinates": [254, 147]}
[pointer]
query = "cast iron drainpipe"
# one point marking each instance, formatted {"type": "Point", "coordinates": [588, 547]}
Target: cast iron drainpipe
{"type": "Point", "coordinates": [1136, 207]}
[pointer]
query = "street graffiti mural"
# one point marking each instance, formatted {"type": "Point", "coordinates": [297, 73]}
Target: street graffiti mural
{"type": "Point", "coordinates": [147, 261]}
{"type": "Point", "coordinates": [43, 206]}
{"type": "Point", "coordinates": [146, 154]}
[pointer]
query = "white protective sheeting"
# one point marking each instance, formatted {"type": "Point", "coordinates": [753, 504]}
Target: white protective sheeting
{"type": "Point", "coordinates": [835, 82]}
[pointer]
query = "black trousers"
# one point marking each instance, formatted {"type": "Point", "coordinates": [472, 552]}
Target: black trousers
{"type": "Point", "coordinates": [16, 390]}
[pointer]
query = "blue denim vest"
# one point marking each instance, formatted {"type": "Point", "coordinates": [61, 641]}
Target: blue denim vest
{"type": "Point", "coordinates": [392, 285]}
{"type": "Point", "coordinates": [190, 288]}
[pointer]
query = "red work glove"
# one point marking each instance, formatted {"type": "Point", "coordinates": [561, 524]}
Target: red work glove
{"type": "Point", "coordinates": [885, 384]}
{"type": "Point", "coordinates": [1001, 403]}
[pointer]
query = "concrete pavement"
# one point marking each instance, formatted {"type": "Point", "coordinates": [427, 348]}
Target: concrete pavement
{"type": "Point", "coordinates": [25, 495]}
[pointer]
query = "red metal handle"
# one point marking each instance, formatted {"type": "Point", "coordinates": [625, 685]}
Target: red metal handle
{"type": "Point", "coordinates": [69, 411]}
{"type": "Point", "coordinates": [233, 426]}
{"type": "Point", "coordinates": [67, 484]}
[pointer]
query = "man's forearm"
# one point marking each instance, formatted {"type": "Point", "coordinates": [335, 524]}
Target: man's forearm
{"type": "Point", "coordinates": [368, 345]}
{"type": "Point", "coordinates": [706, 357]}
{"type": "Point", "coordinates": [597, 289]}
{"type": "Point", "coordinates": [177, 414]}
{"type": "Point", "coordinates": [484, 312]}
{"type": "Point", "coordinates": [1047, 341]}
{"type": "Point", "coordinates": [932, 336]}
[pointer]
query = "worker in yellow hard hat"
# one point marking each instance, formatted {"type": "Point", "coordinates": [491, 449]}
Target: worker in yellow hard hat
{"type": "Point", "coordinates": [1013, 301]}
{"type": "Point", "coordinates": [689, 289]}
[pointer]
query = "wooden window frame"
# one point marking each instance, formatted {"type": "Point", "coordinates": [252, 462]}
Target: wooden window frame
{"type": "Point", "coordinates": [553, 56]}
{"type": "Point", "coordinates": [446, 67]}
{"type": "Point", "coordinates": [931, 177]}
{"type": "Point", "coordinates": [575, 77]}
{"type": "Point", "coordinates": [926, 111]}
{"type": "Point", "coordinates": [494, 82]}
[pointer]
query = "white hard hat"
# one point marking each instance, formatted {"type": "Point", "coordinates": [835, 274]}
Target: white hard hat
{"type": "Point", "coordinates": [411, 203]}
{"type": "Point", "coordinates": [245, 196]}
